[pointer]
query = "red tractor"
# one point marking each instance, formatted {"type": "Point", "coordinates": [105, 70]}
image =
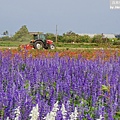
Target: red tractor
{"type": "Point", "coordinates": [40, 42]}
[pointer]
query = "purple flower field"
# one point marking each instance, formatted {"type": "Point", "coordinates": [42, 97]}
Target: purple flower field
{"type": "Point", "coordinates": [93, 87]}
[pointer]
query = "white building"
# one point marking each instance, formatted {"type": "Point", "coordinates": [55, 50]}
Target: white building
{"type": "Point", "coordinates": [92, 35]}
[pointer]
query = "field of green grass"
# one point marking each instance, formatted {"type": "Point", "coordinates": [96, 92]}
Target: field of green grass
{"type": "Point", "coordinates": [11, 43]}
{"type": "Point", "coordinates": [61, 45]}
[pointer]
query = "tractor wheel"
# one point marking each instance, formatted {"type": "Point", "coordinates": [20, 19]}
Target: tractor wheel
{"type": "Point", "coordinates": [39, 45]}
{"type": "Point", "coordinates": [52, 46]}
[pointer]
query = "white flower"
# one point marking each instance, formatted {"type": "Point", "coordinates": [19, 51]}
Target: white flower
{"type": "Point", "coordinates": [74, 115]}
{"type": "Point", "coordinates": [52, 114]}
{"type": "Point", "coordinates": [34, 113]}
{"type": "Point", "coordinates": [64, 112]}
{"type": "Point", "coordinates": [7, 118]}
{"type": "Point", "coordinates": [17, 112]}
{"type": "Point", "coordinates": [100, 117]}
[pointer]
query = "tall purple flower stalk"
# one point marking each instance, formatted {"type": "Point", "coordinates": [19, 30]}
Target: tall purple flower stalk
{"type": "Point", "coordinates": [90, 87]}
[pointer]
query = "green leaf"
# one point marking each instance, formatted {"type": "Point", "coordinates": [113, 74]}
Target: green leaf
{"type": "Point", "coordinates": [54, 84]}
{"type": "Point", "coordinates": [47, 94]}
{"type": "Point", "coordinates": [105, 88]}
{"type": "Point", "coordinates": [27, 84]}
{"type": "Point", "coordinates": [117, 115]}
{"type": "Point", "coordinates": [1, 112]}
{"type": "Point", "coordinates": [77, 101]}
{"type": "Point", "coordinates": [59, 96]}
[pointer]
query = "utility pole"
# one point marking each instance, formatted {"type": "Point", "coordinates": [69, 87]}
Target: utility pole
{"type": "Point", "coordinates": [56, 33]}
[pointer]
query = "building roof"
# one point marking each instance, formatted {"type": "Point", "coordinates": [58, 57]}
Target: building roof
{"type": "Point", "coordinates": [35, 33]}
{"type": "Point", "coordinates": [92, 35]}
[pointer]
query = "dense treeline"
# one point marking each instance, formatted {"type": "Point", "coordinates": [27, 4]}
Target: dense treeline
{"type": "Point", "coordinates": [69, 37]}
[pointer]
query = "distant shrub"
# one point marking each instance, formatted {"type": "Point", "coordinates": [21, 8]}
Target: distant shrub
{"type": "Point", "coordinates": [84, 38]}
{"type": "Point", "coordinates": [22, 34]}
{"type": "Point", "coordinates": [6, 38]}
{"type": "Point", "coordinates": [97, 39]}
{"type": "Point", "coordinates": [116, 43]}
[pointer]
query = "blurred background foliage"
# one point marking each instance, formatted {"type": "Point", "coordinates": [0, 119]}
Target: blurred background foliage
{"type": "Point", "coordinates": [23, 35]}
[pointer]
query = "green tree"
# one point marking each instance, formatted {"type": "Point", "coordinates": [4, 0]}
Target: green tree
{"type": "Point", "coordinates": [70, 33]}
{"type": "Point", "coordinates": [50, 36]}
{"type": "Point", "coordinates": [69, 37]}
{"type": "Point", "coordinates": [5, 33]}
{"type": "Point", "coordinates": [22, 34]}
{"type": "Point", "coordinates": [6, 38]}
{"type": "Point", "coordinates": [60, 38]}
{"type": "Point", "coordinates": [97, 39]}
{"type": "Point", "coordinates": [84, 38]}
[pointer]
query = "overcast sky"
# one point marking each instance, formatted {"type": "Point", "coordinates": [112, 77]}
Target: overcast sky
{"type": "Point", "coordinates": [79, 16]}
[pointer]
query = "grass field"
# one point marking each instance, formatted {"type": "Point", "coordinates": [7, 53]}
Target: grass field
{"type": "Point", "coordinates": [11, 43]}
{"type": "Point", "coordinates": [62, 45]}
